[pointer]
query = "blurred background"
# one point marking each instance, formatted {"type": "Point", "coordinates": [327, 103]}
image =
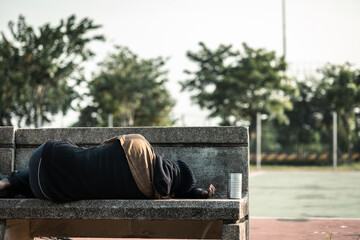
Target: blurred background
{"type": "Point", "coordinates": [287, 65]}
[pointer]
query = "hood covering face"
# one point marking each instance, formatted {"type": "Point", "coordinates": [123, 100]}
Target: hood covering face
{"type": "Point", "coordinates": [187, 178]}
{"type": "Point", "coordinates": [172, 177]}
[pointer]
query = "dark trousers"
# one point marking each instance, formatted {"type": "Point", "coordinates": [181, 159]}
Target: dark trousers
{"type": "Point", "coordinates": [26, 182]}
{"type": "Point", "coordinates": [20, 184]}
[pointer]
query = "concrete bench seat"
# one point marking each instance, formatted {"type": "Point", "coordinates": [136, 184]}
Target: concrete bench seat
{"type": "Point", "coordinates": [212, 152]}
{"type": "Point", "coordinates": [173, 209]}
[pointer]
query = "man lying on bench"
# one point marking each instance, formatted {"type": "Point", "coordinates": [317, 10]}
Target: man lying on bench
{"type": "Point", "coordinates": [124, 167]}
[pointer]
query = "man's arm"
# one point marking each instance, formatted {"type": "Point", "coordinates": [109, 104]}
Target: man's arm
{"type": "Point", "coordinates": [198, 193]}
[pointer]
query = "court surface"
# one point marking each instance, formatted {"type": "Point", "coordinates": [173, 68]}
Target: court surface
{"type": "Point", "coordinates": [304, 205]}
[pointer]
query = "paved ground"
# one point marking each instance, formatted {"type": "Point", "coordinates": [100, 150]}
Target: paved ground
{"type": "Point", "coordinates": [283, 205]}
{"type": "Point", "coordinates": [302, 229]}
{"type": "Point", "coordinates": [305, 195]}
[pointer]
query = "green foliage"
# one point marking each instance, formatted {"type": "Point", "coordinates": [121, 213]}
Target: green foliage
{"type": "Point", "coordinates": [329, 236]}
{"type": "Point", "coordinates": [36, 68]}
{"type": "Point", "coordinates": [339, 90]}
{"type": "Point", "coordinates": [131, 89]}
{"type": "Point", "coordinates": [269, 134]}
{"type": "Point", "coordinates": [303, 124]}
{"type": "Point", "coordinates": [291, 167]}
{"type": "Point", "coordinates": [236, 85]}
{"type": "Point", "coordinates": [310, 129]}
{"type": "Point", "coordinates": [295, 162]}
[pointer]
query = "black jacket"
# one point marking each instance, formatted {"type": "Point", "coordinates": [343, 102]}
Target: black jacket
{"type": "Point", "coordinates": [69, 172]}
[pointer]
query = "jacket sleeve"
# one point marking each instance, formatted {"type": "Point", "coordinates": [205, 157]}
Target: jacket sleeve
{"type": "Point", "coordinates": [166, 176]}
{"type": "Point", "coordinates": [195, 193]}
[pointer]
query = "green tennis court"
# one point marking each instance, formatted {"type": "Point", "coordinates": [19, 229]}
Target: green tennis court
{"type": "Point", "coordinates": [305, 194]}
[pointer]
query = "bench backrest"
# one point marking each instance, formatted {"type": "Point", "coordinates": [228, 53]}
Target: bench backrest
{"type": "Point", "coordinates": [212, 152]}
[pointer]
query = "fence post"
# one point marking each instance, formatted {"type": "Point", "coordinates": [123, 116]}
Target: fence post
{"type": "Point", "coordinates": [334, 141]}
{"type": "Point", "coordinates": [258, 141]}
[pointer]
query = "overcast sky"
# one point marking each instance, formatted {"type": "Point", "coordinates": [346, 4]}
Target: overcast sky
{"type": "Point", "coordinates": [318, 31]}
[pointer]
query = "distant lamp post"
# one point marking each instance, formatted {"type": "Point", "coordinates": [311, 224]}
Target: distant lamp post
{"type": "Point", "coordinates": [110, 120]}
{"type": "Point", "coordinates": [259, 118]}
{"type": "Point", "coordinates": [284, 27]}
{"type": "Point", "coordinates": [334, 140]}
{"type": "Point", "coordinates": [258, 141]}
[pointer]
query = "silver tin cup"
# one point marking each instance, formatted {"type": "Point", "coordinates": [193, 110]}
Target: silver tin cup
{"type": "Point", "coordinates": [234, 185]}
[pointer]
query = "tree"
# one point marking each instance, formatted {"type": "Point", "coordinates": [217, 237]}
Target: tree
{"type": "Point", "coordinates": [304, 125]}
{"type": "Point", "coordinates": [36, 68]}
{"type": "Point", "coordinates": [235, 86]}
{"type": "Point", "coordinates": [131, 89]}
{"type": "Point", "coordinates": [339, 91]}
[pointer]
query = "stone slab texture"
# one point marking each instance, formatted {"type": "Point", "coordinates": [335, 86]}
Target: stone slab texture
{"type": "Point", "coordinates": [174, 209]}
{"type": "Point", "coordinates": [7, 140]}
{"type": "Point", "coordinates": [238, 231]}
{"type": "Point", "coordinates": [212, 152]}
{"type": "Point", "coordinates": [7, 136]}
{"type": "Point", "coordinates": [161, 135]}
{"type": "Point", "coordinates": [6, 160]}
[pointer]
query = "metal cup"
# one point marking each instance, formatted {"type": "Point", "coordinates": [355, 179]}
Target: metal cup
{"type": "Point", "coordinates": [234, 185]}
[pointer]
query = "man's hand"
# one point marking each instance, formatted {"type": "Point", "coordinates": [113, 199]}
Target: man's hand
{"type": "Point", "coordinates": [209, 192]}
{"type": "Point", "coordinates": [4, 183]}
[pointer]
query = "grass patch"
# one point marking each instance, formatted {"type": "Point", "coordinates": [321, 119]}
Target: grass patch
{"type": "Point", "coordinates": [343, 167]}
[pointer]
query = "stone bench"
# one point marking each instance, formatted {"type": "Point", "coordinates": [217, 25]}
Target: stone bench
{"type": "Point", "coordinates": [212, 152]}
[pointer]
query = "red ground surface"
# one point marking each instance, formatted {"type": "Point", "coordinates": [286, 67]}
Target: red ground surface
{"type": "Point", "coordinates": [299, 229]}
{"type": "Point", "coordinates": [303, 229]}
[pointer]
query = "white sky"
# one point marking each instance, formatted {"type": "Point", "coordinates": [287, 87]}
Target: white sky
{"type": "Point", "coordinates": [318, 31]}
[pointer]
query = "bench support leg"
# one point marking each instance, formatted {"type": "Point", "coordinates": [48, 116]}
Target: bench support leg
{"type": "Point", "coordinates": [17, 229]}
{"type": "Point", "coordinates": [2, 228]}
{"type": "Point", "coordinates": [236, 231]}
